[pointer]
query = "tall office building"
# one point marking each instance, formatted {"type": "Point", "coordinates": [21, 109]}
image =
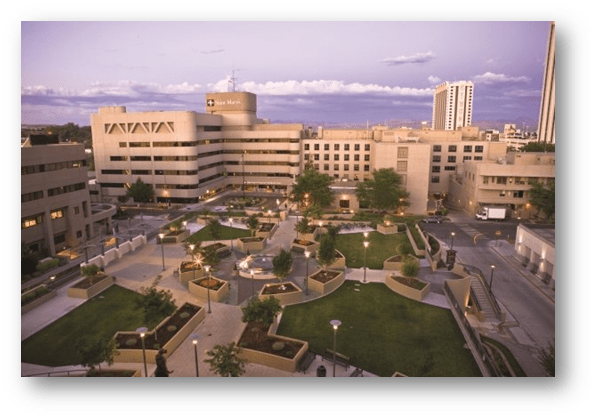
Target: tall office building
{"type": "Point", "coordinates": [547, 114]}
{"type": "Point", "coordinates": [453, 105]}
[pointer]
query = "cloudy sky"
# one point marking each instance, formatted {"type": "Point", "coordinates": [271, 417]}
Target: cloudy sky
{"type": "Point", "coordinates": [334, 72]}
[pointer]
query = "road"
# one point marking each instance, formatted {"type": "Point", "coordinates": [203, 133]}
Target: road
{"type": "Point", "coordinates": [515, 288]}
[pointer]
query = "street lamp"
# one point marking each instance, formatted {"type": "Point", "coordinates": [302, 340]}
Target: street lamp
{"type": "Point", "coordinates": [195, 337]}
{"type": "Point", "coordinates": [335, 324]}
{"type": "Point", "coordinates": [269, 216]}
{"type": "Point", "coordinates": [191, 248]}
{"type": "Point", "coordinates": [208, 281]}
{"type": "Point", "coordinates": [491, 280]}
{"type": "Point", "coordinates": [307, 254]}
{"type": "Point", "coordinates": [142, 331]}
{"type": "Point", "coordinates": [162, 243]}
{"type": "Point", "coordinates": [231, 239]}
{"type": "Point", "coordinates": [366, 244]}
{"type": "Point", "coordinates": [452, 243]}
{"type": "Point", "coordinates": [252, 282]}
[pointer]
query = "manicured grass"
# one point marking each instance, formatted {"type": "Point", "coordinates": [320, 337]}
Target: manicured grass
{"type": "Point", "coordinates": [111, 311]}
{"type": "Point", "coordinates": [381, 247]}
{"type": "Point", "coordinates": [226, 233]}
{"type": "Point", "coordinates": [382, 332]}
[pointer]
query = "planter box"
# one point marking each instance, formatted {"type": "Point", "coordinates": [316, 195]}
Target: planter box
{"type": "Point", "coordinates": [302, 246]}
{"type": "Point", "coordinates": [272, 360]}
{"type": "Point", "coordinates": [222, 250]}
{"type": "Point", "coordinates": [189, 275]}
{"type": "Point", "coordinates": [136, 355]}
{"type": "Point", "coordinates": [38, 301]}
{"type": "Point", "coordinates": [406, 291]}
{"type": "Point", "coordinates": [245, 244]}
{"type": "Point", "coordinates": [339, 263]}
{"type": "Point", "coordinates": [267, 233]}
{"type": "Point", "coordinates": [326, 287]}
{"type": "Point", "coordinates": [214, 295]}
{"type": "Point", "coordinates": [387, 228]}
{"type": "Point", "coordinates": [291, 295]}
{"type": "Point", "coordinates": [171, 237]}
{"type": "Point", "coordinates": [392, 265]}
{"type": "Point", "coordinates": [91, 291]}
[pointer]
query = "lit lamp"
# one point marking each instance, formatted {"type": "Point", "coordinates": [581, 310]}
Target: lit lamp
{"type": "Point", "coordinates": [195, 339]}
{"type": "Point", "coordinates": [366, 244]}
{"type": "Point", "coordinates": [208, 282]}
{"type": "Point", "coordinates": [491, 280]}
{"type": "Point", "coordinates": [231, 240]}
{"type": "Point", "coordinates": [452, 243]}
{"type": "Point", "coordinates": [141, 332]}
{"type": "Point", "coordinates": [161, 235]}
{"type": "Point", "coordinates": [335, 324]}
{"type": "Point", "coordinates": [307, 254]}
{"type": "Point", "coordinates": [269, 216]}
{"type": "Point", "coordinates": [191, 247]}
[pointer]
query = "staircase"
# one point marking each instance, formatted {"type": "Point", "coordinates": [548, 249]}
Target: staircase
{"type": "Point", "coordinates": [484, 300]}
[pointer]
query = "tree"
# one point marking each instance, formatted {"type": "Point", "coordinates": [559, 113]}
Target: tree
{"type": "Point", "coordinates": [313, 211]}
{"type": "Point", "coordinates": [90, 270]}
{"type": "Point", "coordinates": [543, 196]}
{"type": "Point", "coordinates": [383, 191]}
{"type": "Point", "coordinates": [29, 260]}
{"type": "Point", "coordinates": [225, 360]}
{"type": "Point", "coordinates": [547, 357]}
{"type": "Point", "coordinates": [313, 187]}
{"type": "Point", "coordinates": [262, 311]}
{"type": "Point", "coordinates": [410, 267]}
{"type": "Point", "coordinates": [140, 191]}
{"type": "Point", "coordinates": [252, 223]}
{"type": "Point", "coordinates": [333, 231]}
{"type": "Point", "coordinates": [155, 304]}
{"type": "Point", "coordinates": [215, 228]}
{"type": "Point", "coordinates": [282, 264]}
{"type": "Point", "coordinates": [209, 256]}
{"type": "Point", "coordinates": [95, 350]}
{"type": "Point", "coordinates": [327, 250]}
{"type": "Point", "coordinates": [302, 226]}
{"type": "Point", "coordinates": [538, 146]}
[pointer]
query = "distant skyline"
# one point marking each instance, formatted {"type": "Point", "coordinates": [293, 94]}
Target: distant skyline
{"type": "Point", "coordinates": [334, 72]}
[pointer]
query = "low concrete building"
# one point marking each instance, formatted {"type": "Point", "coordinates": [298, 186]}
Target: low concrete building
{"type": "Point", "coordinates": [536, 250]}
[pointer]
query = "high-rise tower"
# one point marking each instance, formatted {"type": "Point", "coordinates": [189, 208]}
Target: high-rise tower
{"type": "Point", "coordinates": [453, 105]}
{"type": "Point", "coordinates": [547, 114]}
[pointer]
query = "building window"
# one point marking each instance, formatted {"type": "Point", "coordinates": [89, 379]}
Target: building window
{"type": "Point", "coordinates": [119, 158]}
{"type": "Point", "coordinates": [478, 158]}
{"type": "Point", "coordinates": [366, 168]}
{"type": "Point", "coordinates": [57, 213]}
{"type": "Point", "coordinates": [403, 152]}
{"type": "Point", "coordinates": [357, 147]}
{"type": "Point", "coordinates": [437, 148]}
{"type": "Point", "coordinates": [485, 180]}
{"type": "Point", "coordinates": [402, 166]}
{"type": "Point", "coordinates": [450, 168]}
{"type": "Point", "coordinates": [140, 158]}
{"type": "Point", "coordinates": [452, 148]}
{"type": "Point", "coordinates": [316, 166]}
{"type": "Point", "coordinates": [346, 147]}
{"type": "Point", "coordinates": [451, 159]}
{"type": "Point", "coordinates": [315, 157]}
{"type": "Point", "coordinates": [367, 156]}
{"type": "Point", "coordinates": [122, 145]}
{"type": "Point", "coordinates": [336, 147]}
{"type": "Point", "coordinates": [478, 149]}
{"type": "Point", "coordinates": [518, 194]}
{"type": "Point", "coordinates": [326, 147]}
{"type": "Point", "coordinates": [326, 167]}
{"type": "Point", "coordinates": [316, 147]}
{"type": "Point", "coordinates": [434, 179]}
{"type": "Point", "coordinates": [367, 147]}
{"type": "Point", "coordinates": [306, 146]}
{"type": "Point", "coordinates": [326, 157]}
{"type": "Point", "coordinates": [356, 168]}
{"type": "Point", "coordinates": [465, 158]}
{"type": "Point", "coordinates": [437, 159]}
{"type": "Point", "coordinates": [468, 148]}
{"type": "Point", "coordinates": [347, 167]}
{"type": "Point", "coordinates": [307, 156]}
{"type": "Point", "coordinates": [356, 157]}
{"type": "Point", "coordinates": [435, 169]}
{"type": "Point", "coordinates": [336, 167]}
{"type": "Point", "coordinates": [501, 180]}
{"type": "Point", "coordinates": [336, 157]}
{"type": "Point", "coordinates": [32, 221]}
{"type": "Point", "coordinates": [346, 157]}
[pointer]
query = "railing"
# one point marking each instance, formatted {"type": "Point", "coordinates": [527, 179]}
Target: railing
{"type": "Point", "coordinates": [471, 270]}
{"type": "Point", "coordinates": [55, 373]}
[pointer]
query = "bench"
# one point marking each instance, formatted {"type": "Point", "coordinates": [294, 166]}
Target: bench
{"type": "Point", "coordinates": [358, 372]}
{"type": "Point", "coordinates": [340, 359]}
{"type": "Point", "coordinates": [306, 361]}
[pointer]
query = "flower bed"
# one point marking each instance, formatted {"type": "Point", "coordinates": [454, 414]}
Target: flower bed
{"type": "Point", "coordinates": [35, 297]}
{"type": "Point", "coordinates": [245, 244]}
{"type": "Point", "coordinates": [174, 236]}
{"type": "Point", "coordinates": [266, 230]}
{"type": "Point", "coordinates": [169, 334]}
{"type": "Point", "coordinates": [90, 286]}
{"type": "Point", "coordinates": [260, 346]}
{"type": "Point", "coordinates": [218, 288]}
{"type": "Point", "coordinates": [221, 249]}
{"type": "Point", "coordinates": [387, 228]}
{"type": "Point", "coordinates": [187, 273]}
{"type": "Point", "coordinates": [325, 281]}
{"type": "Point", "coordinates": [339, 262]}
{"type": "Point", "coordinates": [286, 292]}
{"type": "Point", "coordinates": [302, 245]}
{"type": "Point", "coordinates": [393, 264]}
{"type": "Point", "coordinates": [412, 288]}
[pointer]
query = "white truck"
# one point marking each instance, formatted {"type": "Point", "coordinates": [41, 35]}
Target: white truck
{"type": "Point", "coordinates": [491, 213]}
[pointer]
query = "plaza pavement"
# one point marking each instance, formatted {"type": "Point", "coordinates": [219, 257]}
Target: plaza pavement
{"type": "Point", "coordinates": [144, 265]}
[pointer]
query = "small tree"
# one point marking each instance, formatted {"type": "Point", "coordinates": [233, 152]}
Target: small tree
{"type": "Point", "coordinates": [176, 225]}
{"type": "Point", "coordinates": [155, 304]}
{"type": "Point", "coordinates": [209, 256]}
{"type": "Point", "coordinates": [410, 267]}
{"type": "Point", "coordinates": [547, 357]}
{"type": "Point", "coordinates": [543, 197]}
{"type": "Point", "coordinates": [215, 228]}
{"type": "Point", "coordinates": [90, 270]}
{"type": "Point", "coordinates": [302, 226]}
{"type": "Point", "coordinates": [252, 223]}
{"type": "Point", "coordinates": [327, 250]}
{"type": "Point", "coordinates": [224, 360]}
{"type": "Point", "coordinates": [140, 191]}
{"type": "Point", "coordinates": [282, 264]}
{"type": "Point", "coordinates": [333, 231]}
{"type": "Point", "coordinates": [313, 211]}
{"type": "Point", "coordinates": [95, 350]}
{"type": "Point", "coordinates": [262, 311]}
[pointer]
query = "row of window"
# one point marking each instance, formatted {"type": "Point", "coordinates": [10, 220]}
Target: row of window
{"type": "Point", "coordinates": [32, 196]}
{"type": "Point", "coordinates": [326, 157]}
{"type": "Point", "coordinates": [326, 147]}
{"type": "Point", "coordinates": [145, 144]}
{"type": "Point", "coordinates": [50, 167]}
{"type": "Point", "coordinates": [454, 148]}
{"type": "Point", "coordinates": [452, 159]}
{"type": "Point", "coordinates": [33, 220]}
{"type": "Point", "coordinates": [201, 155]}
{"type": "Point", "coordinates": [356, 167]}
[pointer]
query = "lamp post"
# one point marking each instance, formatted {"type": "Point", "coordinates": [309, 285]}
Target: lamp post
{"type": "Point", "coordinates": [269, 216]}
{"type": "Point", "coordinates": [252, 282]}
{"type": "Point", "coordinates": [452, 243]}
{"type": "Point", "coordinates": [195, 338]}
{"type": "Point", "coordinates": [335, 324]}
{"type": "Point", "coordinates": [307, 254]}
{"type": "Point", "coordinates": [491, 280]}
{"type": "Point", "coordinates": [366, 245]}
{"type": "Point", "coordinates": [208, 281]}
{"type": "Point", "coordinates": [161, 235]}
{"type": "Point", "coordinates": [142, 331]}
{"type": "Point", "coordinates": [231, 240]}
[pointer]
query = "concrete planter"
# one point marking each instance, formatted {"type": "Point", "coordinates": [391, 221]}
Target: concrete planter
{"type": "Point", "coordinates": [80, 290]}
{"type": "Point", "coordinates": [387, 228]}
{"type": "Point", "coordinates": [222, 250]}
{"type": "Point", "coordinates": [245, 244]}
{"type": "Point", "coordinates": [316, 284]}
{"type": "Point", "coordinates": [173, 237]}
{"type": "Point", "coordinates": [393, 264]}
{"type": "Point", "coordinates": [339, 263]}
{"type": "Point", "coordinates": [286, 292]}
{"type": "Point", "coordinates": [214, 295]}
{"type": "Point", "coordinates": [267, 230]}
{"type": "Point", "coordinates": [302, 246]}
{"type": "Point", "coordinates": [186, 274]}
{"type": "Point", "coordinates": [136, 355]}
{"type": "Point", "coordinates": [38, 301]}
{"type": "Point", "coordinates": [400, 288]}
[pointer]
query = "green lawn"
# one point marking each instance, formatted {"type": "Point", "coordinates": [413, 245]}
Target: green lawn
{"type": "Point", "coordinates": [382, 332]}
{"type": "Point", "coordinates": [111, 311]}
{"type": "Point", "coordinates": [381, 247]}
{"type": "Point", "coordinates": [226, 233]}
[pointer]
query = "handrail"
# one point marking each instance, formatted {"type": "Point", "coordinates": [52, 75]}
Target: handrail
{"type": "Point", "coordinates": [471, 270]}
{"type": "Point", "coordinates": [49, 373]}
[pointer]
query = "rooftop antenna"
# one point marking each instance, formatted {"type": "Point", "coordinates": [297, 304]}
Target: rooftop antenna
{"type": "Point", "coordinates": [233, 81]}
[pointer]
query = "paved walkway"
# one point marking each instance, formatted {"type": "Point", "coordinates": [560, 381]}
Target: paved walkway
{"type": "Point", "coordinates": [141, 267]}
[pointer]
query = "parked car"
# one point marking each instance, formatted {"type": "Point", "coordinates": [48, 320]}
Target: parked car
{"type": "Point", "coordinates": [433, 219]}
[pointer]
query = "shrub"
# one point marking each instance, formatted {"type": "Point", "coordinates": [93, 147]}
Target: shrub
{"type": "Point", "coordinates": [410, 267]}
{"type": "Point", "coordinates": [42, 267]}
{"type": "Point", "coordinates": [278, 346]}
{"type": "Point", "coordinates": [90, 270]}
